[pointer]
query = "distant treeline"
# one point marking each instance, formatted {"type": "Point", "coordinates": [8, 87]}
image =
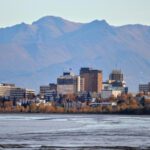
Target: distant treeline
{"type": "Point", "coordinates": [126, 104]}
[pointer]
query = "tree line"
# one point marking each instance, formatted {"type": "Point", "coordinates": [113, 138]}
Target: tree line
{"type": "Point", "coordinates": [126, 104]}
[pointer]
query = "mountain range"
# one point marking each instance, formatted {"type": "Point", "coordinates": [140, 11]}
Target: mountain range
{"type": "Point", "coordinates": [36, 54]}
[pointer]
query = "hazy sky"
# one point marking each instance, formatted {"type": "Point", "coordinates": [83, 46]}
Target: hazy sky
{"type": "Point", "coordinates": [116, 12]}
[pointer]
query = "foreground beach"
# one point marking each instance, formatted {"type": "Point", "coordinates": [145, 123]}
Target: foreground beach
{"type": "Point", "coordinates": [74, 132]}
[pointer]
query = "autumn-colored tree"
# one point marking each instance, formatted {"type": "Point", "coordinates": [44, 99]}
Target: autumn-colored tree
{"type": "Point", "coordinates": [122, 107]}
{"type": "Point", "coordinates": [60, 110]}
{"type": "Point", "coordinates": [41, 108]}
{"type": "Point", "coordinates": [133, 104]}
{"type": "Point", "coordinates": [112, 98]}
{"type": "Point", "coordinates": [71, 97]}
{"type": "Point", "coordinates": [33, 108]}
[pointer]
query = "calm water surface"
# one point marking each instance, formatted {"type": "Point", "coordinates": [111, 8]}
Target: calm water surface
{"type": "Point", "coordinates": [67, 132]}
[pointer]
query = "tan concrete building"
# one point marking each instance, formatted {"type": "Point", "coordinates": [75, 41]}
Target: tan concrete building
{"type": "Point", "coordinates": [92, 79]}
{"type": "Point", "coordinates": [5, 89]}
{"type": "Point", "coordinates": [11, 92]}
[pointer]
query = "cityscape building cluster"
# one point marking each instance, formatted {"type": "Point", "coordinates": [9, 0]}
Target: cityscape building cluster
{"type": "Point", "coordinates": [86, 86]}
{"type": "Point", "coordinates": [11, 92]}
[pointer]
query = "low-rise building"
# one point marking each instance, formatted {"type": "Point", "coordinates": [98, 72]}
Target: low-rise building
{"type": "Point", "coordinates": [17, 93]}
{"type": "Point", "coordinates": [109, 93]}
{"type": "Point", "coordinates": [144, 88]}
{"type": "Point", "coordinates": [103, 104]}
{"type": "Point", "coordinates": [48, 92]}
{"type": "Point", "coordinates": [11, 92]}
{"type": "Point", "coordinates": [5, 90]}
{"type": "Point", "coordinates": [30, 94]}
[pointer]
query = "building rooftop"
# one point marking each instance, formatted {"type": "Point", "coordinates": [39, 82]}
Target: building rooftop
{"type": "Point", "coordinates": [89, 70]}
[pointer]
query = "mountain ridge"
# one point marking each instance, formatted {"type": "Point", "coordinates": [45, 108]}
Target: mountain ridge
{"type": "Point", "coordinates": [36, 54]}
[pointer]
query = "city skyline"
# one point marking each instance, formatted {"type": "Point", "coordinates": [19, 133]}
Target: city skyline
{"type": "Point", "coordinates": [75, 74]}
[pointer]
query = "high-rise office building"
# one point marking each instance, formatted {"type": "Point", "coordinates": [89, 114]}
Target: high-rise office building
{"type": "Point", "coordinates": [92, 79]}
{"type": "Point", "coordinates": [116, 75]}
{"type": "Point", "coordinates": [69, 83]}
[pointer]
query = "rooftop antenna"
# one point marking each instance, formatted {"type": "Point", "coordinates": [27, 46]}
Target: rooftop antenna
{"type": "Point", "coordinates": [65, 69]}
{"type": "Point", "coordinates": [70, 69]}
{"type": "Point", "coordinates": [116, 66]}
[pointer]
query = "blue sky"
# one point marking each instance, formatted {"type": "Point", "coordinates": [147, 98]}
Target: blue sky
{"type": "Point", "coordinates": [116, 12]}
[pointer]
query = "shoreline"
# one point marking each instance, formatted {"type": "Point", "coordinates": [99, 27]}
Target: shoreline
{"type": "Point", "coordinates": [70, 113]}
{"type": "Point", "coordinates": [46, 147]}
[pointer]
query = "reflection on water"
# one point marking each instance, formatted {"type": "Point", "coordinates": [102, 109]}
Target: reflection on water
{"type": "Point", "coordinates": [46, 132]}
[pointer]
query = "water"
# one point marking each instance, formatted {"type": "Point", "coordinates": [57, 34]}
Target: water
{"type": "Point", "coordinates": [50, 132]}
